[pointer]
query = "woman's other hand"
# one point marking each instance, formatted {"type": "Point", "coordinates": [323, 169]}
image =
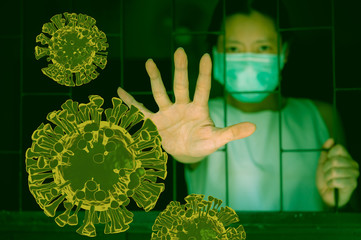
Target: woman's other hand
{"type": "Point", "coordinates": [336, 169]}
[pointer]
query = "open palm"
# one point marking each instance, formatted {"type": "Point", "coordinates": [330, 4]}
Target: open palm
{"type": "Point", "coordinates": [187, 131]}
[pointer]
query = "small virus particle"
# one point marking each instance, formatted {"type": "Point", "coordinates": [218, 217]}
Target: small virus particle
{"type": "Point", "coordinates": [197, 220]}
{"type": "Point", "coordinates": [96, 165]}
{"type": "Point", "coordinates": [75, 47]}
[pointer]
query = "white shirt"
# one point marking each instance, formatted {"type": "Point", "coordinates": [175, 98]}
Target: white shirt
{"type": "Point", "coordinates": [254, 162]}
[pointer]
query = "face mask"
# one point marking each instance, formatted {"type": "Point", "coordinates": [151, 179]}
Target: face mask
{"type": "Point", "coordinates": [248, 72]}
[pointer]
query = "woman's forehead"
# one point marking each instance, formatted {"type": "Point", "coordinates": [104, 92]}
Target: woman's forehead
{"type": "Point", "coordinates": [255, 26]}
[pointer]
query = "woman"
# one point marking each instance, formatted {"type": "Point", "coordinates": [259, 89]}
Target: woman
{"type": "Point", "coordinates": [189, 134]}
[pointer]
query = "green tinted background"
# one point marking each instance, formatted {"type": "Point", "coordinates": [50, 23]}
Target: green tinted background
{"type": "Point", "coordinates": [323, 64]}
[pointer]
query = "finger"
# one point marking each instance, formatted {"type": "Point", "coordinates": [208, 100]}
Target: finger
{"type": "Point", "coordinates": [158, 89]}
{"type": "Point", "coordinates": [326, 146]}
{"type": "Point", "coordinates": [335, 173]}
{"type": "Point", "coordinates": [342, 183]}
{"type": "Point", "coordinates": [203, 87]}
{"type": "Point", "coordinates": [339, 162]}
{"type": "Point", "coordinates": [181, 88]}
{"type": "Point", "coordinates": [338, 150]}
{"type": "Point", "coordinates": [234, 132]}
{"type": "Point", "coordinates": [129, 100]}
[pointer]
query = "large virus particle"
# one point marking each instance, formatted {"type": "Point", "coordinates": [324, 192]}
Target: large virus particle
{"type": "Point", "coordinates": [76, 47]}
{"type": "Point", "coordinates": [198, 219]}
{"type": "Point", "coordinates": [96, 165]}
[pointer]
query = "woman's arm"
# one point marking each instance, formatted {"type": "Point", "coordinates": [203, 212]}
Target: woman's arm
{"type": "Point", "coordinates": [326, 112]}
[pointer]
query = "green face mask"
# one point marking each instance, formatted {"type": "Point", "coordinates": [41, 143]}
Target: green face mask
{"type": "Point", "coordinates": [248, 72]}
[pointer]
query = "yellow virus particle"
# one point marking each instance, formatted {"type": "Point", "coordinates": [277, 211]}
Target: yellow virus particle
{"type": "Point", "coordinates": [75, 47]}
{"type": "Point", "coordinates": [96, 165]}
{"type": "Point", "coordinates": [198, 219]}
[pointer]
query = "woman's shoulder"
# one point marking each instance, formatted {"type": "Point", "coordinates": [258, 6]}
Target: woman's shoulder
{"type": "Point", "coordinates": [324, 109]}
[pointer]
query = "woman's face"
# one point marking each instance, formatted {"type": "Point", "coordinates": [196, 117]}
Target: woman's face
{"type": "Point", "coordinates": [254, 33]}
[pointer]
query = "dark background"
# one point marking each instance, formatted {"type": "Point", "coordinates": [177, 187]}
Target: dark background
{"type": "Point", "coordinates": [142, 29]}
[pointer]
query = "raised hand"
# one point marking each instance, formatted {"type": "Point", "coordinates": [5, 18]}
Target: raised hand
{"type": "Point", "coordinates": [336, 169]}
{"type": "Point", "coordinates": [188, 133]}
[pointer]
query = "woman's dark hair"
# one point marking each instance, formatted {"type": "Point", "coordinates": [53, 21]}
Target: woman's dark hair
{"type": "Point", "coordinates": [265, 7]}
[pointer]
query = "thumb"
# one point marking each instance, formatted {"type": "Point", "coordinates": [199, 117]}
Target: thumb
{"type": "Point", "coordinates": [325, 147]}
{"type": "Point", "coordinates": [234, 132]}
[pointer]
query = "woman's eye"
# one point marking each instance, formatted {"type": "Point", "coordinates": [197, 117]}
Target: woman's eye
{"type": "Point", "coordinates": [264, 48]}
{"type": "Point", "coordinates": [232, 49]}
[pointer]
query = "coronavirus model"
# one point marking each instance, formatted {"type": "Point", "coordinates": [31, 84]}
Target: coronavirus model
{"type": "Point", "coordinates": [87, 162]}
{"type": "Point", "coordinates": [198, 219]}
{"type": "Point", "coordinates": [76, 47]}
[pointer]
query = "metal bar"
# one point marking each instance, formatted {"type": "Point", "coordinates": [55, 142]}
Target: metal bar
{"type": "Point", "coordinates": [121, 35]}
{"type": "Point", "coordinates": [195, 33]}
{"type": "Point", "coordinates": [174, 162]}
{"type": "Point", "coordinates": [275, 91]}
{"type": "Point", "coordinates": [334, 127]}
{"type": "Point", "coordinates": [303, 150]}
{"type": "Point", "coordinates": [225, 100]}
{"type": "Point", "coordinates": [71, 10]}
{"type": "Point", "coordinates": [279, 107]}
{"type": "Point", "coordinates": [305, 28]}
{"type": "Point", "coordinates": [21, 85]}
{"type": "Point", "coordinates": [291, 150]}
{"type": "Point", "coordinates": [347, 89]}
